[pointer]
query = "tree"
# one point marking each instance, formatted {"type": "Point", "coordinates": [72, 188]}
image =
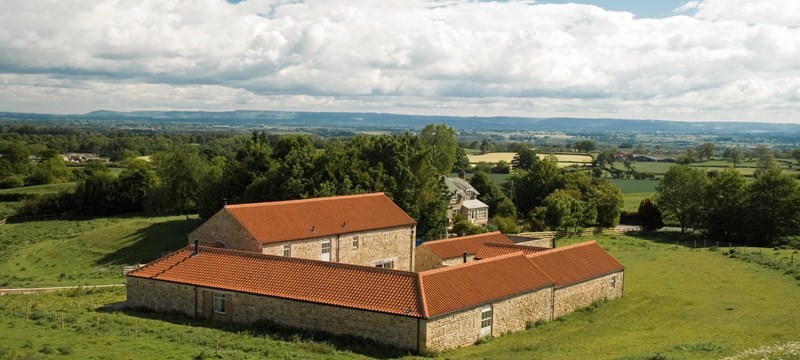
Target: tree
{"type": "Point", "coordinates": [506, 225]}
{"type": "Point", "coordinates": [706, 151]}
{"type": "Point", "coordinates": [796, 155]}
{"type": "Point", "coordinates": [486, 146]}
{"type": "Point", "coordinates": [733, 155]}
{"type": "Point", "coordinates": [134, 186]}
{"type": "Point", "coordinates": [725, 200]}
{"type": "Point", "coordinates": [529, 187]}
{"type": "Point", "coordinates": [440, 141]}
{"type": "Point", "coordinates": [584, 146]}
{"type": "Point", "coordinates": [490, 193]}
{"type": "Point", "coordinates": [766, 162]}
{"type": "Point", "coordinates": [179, 173]}
{"type": "Point", "coordinates": [687, 158]}
{"type": "Point", "coordinates": [565, 210]}
{"type": "Point", "coordinates": [50, 171]}
{"type": "Point", "coordinates": [607, 198]}
{"type": "Point", "coordinates": [650, 218]}
{"type": "Point", "coordinates": [463, 227]}
{"type": "Point", "coordinates": [679, 194]}
{"type": "Point", "coordinates": [772, 208]}
{"type": "Point", "coordinates": [524, 159]}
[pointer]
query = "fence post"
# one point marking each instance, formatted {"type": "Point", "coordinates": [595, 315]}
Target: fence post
{"type": "Point", "coordinates": [695, 243]}
{"type": "Point", "coordinates": [62, 320]}
{"type": "Point", "coordinates": [27, 310]}
{"type": "Point", "coordinates": [96, 325]}
{"type": "Point", "coordinates": [676, 245]}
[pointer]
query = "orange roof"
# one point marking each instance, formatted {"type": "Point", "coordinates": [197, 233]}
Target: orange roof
{"type": "Point", "coordinates": [574, 263]}
{"type": "Point", "coordinates": [279, 221]}
{"type": "Point", "coordinates": [474, 283]}
{"type": "Point", "coordinates": [359, 287]}
{"type": "Point", "coordinates": [490, 249]}
{"type": "Point", "coordinates": [457, 246]}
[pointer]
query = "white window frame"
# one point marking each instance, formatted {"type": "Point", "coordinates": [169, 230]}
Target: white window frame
{"type": "Point", "coordinates": [487, 319]}
{"type": "Point", "coordinates": [218, 303]}
{"type": "Point", "coordinates": [323, 253]}
{"type": "Point", "coordinates": [287, 250]}
{"type": "Point", "coordinates": [385, 265]}
{"type": "Point", "coordinates": [355, 242]}
{"type": "Point", "coordinates": [613, 284]}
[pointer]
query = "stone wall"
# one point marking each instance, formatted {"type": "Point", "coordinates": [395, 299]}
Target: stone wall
{"type": "Point", "coordinates": [425, 259]}
{"type": "Point", "coordinates": [399, 331]}
{"type": "Point", "coordinates": [224, 228]}
{"type": "Point", "coordinates": [463, 328]}
{"type": "Point", "coordinates": [527, 241]}
{"type": "Point", "coordinates": [160, 296]}
{"type": "Point", "coordinates": [457, 260]}
{"type": "Point", "coordinates": [391, 244]}
{"type": "Point", "coordinates": [575, 297]}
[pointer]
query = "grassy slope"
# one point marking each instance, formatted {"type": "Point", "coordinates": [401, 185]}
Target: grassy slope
{"type": "Point", "coordinates": [86, 251]}
{"type": "Point", "coordinates": [40, 189]}
{"type": "Point", "coordinates": [684, 304]}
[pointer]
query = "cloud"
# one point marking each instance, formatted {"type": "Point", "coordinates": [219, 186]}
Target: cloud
{"type": "Point", "coordinates": [454, 58]}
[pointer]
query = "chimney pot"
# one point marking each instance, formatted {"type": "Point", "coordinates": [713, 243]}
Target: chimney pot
{"type": "Point", "coordinates": [197, 248]}
{"type": "Point", "coordinates": [465, 257]}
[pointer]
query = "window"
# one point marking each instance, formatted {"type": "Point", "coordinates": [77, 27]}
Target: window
{"type": "Point", "coordinates": [486, 321]}
{"type": "Point", "coordinates": [287, 250]}
{"type": "Point", "coordinates": [385, 264]}
{"type": "Point", "coordinates": [355, 242]}
{"type": "Point", "coordinates": [326, 251]}
{"type": "Point", "coordinates": [614, 282]}
{"type": "Point", "coordinates": [482, 214]}
{"type": "Point", "coordinates": [219, 303]}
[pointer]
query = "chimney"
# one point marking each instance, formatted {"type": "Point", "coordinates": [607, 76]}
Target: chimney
{"type": "Point", "coordinates": [224, 202]}
{"type": "Point", "coordinates": [465, 257]}
{"type": "Point", "coordinates": [197, 248]}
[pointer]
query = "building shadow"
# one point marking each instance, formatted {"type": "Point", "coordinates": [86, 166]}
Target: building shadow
{"type": "Point", "coordinates": [151, 242]}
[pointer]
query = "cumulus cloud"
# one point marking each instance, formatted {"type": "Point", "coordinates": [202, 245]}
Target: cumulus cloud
{"type": "Point", "coordinates": [713, 60]}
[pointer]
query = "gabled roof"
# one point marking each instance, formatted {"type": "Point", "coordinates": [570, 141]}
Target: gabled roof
{"type": "Point", "coordinates": [575, 263]}
{"type": "Point", "coordinates": [474, 204]}
{"type": "Point", "coordinates": [459, 185]}
{"type": "Point", "coordinates": [359, 287]}
{"type": "Point", "coordinates": [457, 246]}
{"type": "Point", "coordinates": [490, 249]}
{"type": "Point", "coordinates": [474, 283]}
{"type": "Point", "coordinates": [272, 222]}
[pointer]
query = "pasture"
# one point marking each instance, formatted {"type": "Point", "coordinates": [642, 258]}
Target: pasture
{"type": "Point", "coordinates": [678, 304]}
{"type": "Point", "coordinates": [84, 252]}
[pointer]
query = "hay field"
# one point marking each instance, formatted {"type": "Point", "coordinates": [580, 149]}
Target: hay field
{"type": "Point", "coordinates": [563, 159]}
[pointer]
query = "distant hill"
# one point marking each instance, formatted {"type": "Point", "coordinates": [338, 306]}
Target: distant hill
{"type": "Point", "coordinates": [398, 121]}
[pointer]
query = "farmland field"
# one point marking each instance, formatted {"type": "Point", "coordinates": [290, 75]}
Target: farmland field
{"type": "Point", "coordinates": [563, 159]}
{"type": "Point", "coordinates": [40, 189]}
{"type": "Point", "coordinates": [678, 304]}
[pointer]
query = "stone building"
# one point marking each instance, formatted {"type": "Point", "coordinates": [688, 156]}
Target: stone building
{"type": "Point", "coordinates": [464, 201]}
{"type": "Point", "coordinates": [452, 251]}
{"type": "Point", "coordinates": [366, 229]}
{"type": "Point", "coordinates": [421, 311]}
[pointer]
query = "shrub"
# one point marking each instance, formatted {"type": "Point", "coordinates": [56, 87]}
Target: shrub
{"type": "Point", "coordinates": [12, 181]}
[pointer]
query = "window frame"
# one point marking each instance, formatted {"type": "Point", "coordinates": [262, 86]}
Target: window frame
{"type": "Point", "coordinates": [287, 250]}
{"type": "Point", "coordinates": [486, 328]}
{"type": "Point", "coordinates": [383, 264]}
{"type": "Point", "coordinates": [218, 303]}
{"type": "Point", "coordinates": [356, 242]}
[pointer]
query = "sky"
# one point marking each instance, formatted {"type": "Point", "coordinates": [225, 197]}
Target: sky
{"type": "Point", "coordinates": [723, 60]}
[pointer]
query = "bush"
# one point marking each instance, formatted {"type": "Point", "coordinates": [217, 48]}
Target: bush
{"type": "Point", "coordinates": [12, 181]}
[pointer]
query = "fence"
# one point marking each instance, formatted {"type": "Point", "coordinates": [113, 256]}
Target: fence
{"type": "Point", "coordinates": [550, 235]}
{"type": "Point", "coordinates": [26, 291]}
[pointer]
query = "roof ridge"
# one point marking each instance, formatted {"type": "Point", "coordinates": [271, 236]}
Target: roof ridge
{"type": "Point", "coordinates": [555, 250]}
{"type": "Point", "coordinates": [308, 261]}
{"type": "Point", "coordinates": [159, 260]}
{"type": "Point", "coordinates": [439, 241]}
{"type": "Point", "coordinates": [473, 263]}
{"type": "Point", "coordinates": [421, 298]}
{"type": "Point", "coordinates": [294, 201]}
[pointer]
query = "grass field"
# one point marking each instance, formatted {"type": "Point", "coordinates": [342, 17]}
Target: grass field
{"type": "Point", "coordinates": [84, 252]}
{"type": "Point", "coordinates": [628, 186]}
{"type": "Point", "coordinates": [40, 189]}
{"type": "Point", "coordinates": [563, 159]}
{"type": "Point", "coordinates": [678, 304]}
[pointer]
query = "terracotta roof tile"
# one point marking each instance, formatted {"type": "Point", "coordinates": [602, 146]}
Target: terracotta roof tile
{"type": "Point", "coordinates": [359, 287]}
{"type": "Point", "coordinates": [474, 283]}
{"type": "Point", "coordinates": [271, 222]}
{"type": "Point", "coordinates": [455, 247]}
{"type": "Point", "coordinates": [574, 263]}
{"type": "Point", "coordinates": [490, 249]}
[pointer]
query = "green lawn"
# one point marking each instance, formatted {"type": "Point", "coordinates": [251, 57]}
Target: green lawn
{"type": "Point", "coordinates": [72, 252]}
{"type": "Point", "coordinates": [628, 186]}
{"type": "Point", "coordinates": [632, 201]}
{"type": "Point", "coordinates": [681, 304]}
